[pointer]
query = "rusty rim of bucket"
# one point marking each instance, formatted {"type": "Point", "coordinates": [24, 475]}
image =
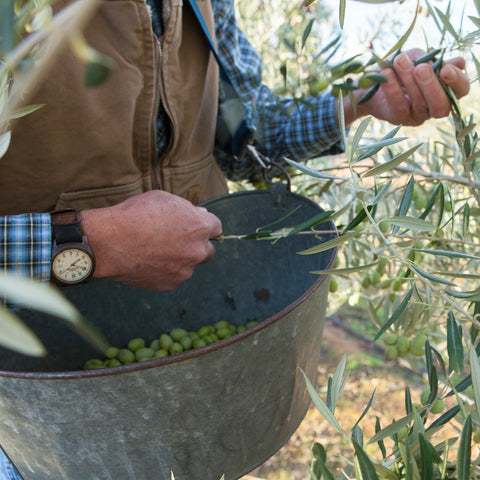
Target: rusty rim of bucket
{"type": "Point", "coordinates": [189, 354]}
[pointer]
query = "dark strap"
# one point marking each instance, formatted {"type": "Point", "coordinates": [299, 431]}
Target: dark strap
{"type": "Point", "coordinates": [66, 226]}
{"type": "Point", "coordinates": [235, 125]}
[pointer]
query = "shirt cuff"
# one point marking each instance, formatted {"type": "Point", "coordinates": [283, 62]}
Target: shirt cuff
{"type": "Point", "coordinates": [26, 245]}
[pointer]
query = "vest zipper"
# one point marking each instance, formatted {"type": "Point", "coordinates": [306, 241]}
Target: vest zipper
{"type": "Point", "coordinates": [155, 167]}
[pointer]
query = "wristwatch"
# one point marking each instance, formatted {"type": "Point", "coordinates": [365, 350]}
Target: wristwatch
{"type": "Point", "coordinates": [73, 261]}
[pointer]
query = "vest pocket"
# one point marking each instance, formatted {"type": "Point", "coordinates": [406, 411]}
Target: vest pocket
{"type": "Point", "coordinates": [101, 197]}
{"type": "Point", "coordinates": [196, 181]}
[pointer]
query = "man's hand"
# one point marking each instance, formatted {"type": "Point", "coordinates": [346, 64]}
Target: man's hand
{"type": "Point", "coordinates": [412, 94]}
{"type": "Point", "coordinates": [152, 241]}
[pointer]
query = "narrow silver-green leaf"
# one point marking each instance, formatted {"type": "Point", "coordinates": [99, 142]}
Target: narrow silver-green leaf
{"type": "Point", "coordinates": [398, 45]}
{"type": "Point", "coordinates": [310, 171]}
{"type": "Point", "coordinates": [344, 271]}
{"type": "Point", "coordinates": [410, 223]}
{"type": "Point", "coordinates": [395, 315]}
{"type": "Point", "coordinates": [359, 133]}
{"type": "Point", "coordinates": [5, 139]}
{"type": "Point", "coordinates": [322, 406]}
{"type": "Point", "coordinates": [337, 382]}
{"type": "Point", "coordinates": [306, 32]}
{"type": "Point", "coordinates": [405, 202]}
{"type": "Point", "coordinates": [382, 193]}
{"type": "Point", "coordinates": [454, 344]}
{"type": "Point", "coordinates": [473, 295]}
{"type": "Point", "coordinates": [429, 276]}
{"type": "Point", "coordinates": [391, 429]}
{"type": "Point", "coordinates": [38, 296]}
{"type": "Point", "coordinates": [47, 299]}
{"type": "Point", "coordinates": [17, 336]}
{"type": "Point", "coordinates": [475, 375]}
{"type": "Point", "coordinates": [341, 13]}
{"type": "Point", "coordinates": [366, 466]}
{"type": "Point", "coordinates": [447, 24]}
{"type": "Point", "coordinates": [390, 165]}
{"type": "Point", "coordinates": [385, 142]}
{"type": "Point", "coordinates": [426, 460]}
{"type": "Point", "coordinates": [322, 247]}
{"type": "Point", "coordinates": [446, 253]}
{"type": "Point", "coordinates": [366, 409]}
{"type": "Point", "coordinates": [465, 451]}
{"type": "Point", "coordinates": [26, 110]}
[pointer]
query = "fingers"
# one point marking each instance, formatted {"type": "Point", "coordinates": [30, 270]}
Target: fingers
{"type": "Point", "coordinates": [415, 93]}
{"type": "Point", "coordinates": [452, 75]}
{"type": "Point", "coordinates": [213, 222]}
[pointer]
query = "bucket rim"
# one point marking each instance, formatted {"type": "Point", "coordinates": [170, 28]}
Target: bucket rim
{"type": "Point", "coordinates": [197, 352]}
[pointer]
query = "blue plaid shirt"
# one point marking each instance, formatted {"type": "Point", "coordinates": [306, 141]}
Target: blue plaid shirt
{"type": "Point", "coordinates": [309, 129]}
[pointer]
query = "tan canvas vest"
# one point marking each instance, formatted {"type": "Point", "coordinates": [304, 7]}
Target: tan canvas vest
{"type": "Point", "coordinates": [95, 147]}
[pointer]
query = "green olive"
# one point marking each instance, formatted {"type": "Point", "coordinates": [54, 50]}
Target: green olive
{"type": "Point", "coordinates": [165, 341]}
{"type": "Point", "coordinates": [251, 324]}
{"type": "Point", "coordinates": [126, 356]}
{"type": "Point", "coordinates": [161, 353]}
{"type": "Point", "coordinates": [193, 335]}
{"type": "Point", "coordinates": [112, 352]}
{"type": "Point", "coordinates": [318, 86]}
{"type": "Point", "coordinates": [391, 352]}
{"type": "Point", "coordinates": [241, 328]}
{"type": "Point", "coordinates": [93, 364]}
{"type": "Point", "coordinates": [333, 285]}
{"type": "Point", "coordinates": [144, 353]}
{"type": "Point", "coordinates": [390, 339]}
{"type": "Point", "coordinates": [112, 362]}
{"type": "Point", "coordinates": [221, 324]}
{"type": "Point", "coordinates": [177, 334]}
{"type": "Point", "coordinates": [438, 406]}
{"type": "Point", "coordinates": [419, 340]}
{"type": "Point", "coordinates": [403, 344]}
{"type": "Point", "coordinates": [204, 331]}
{"type": "Point", "coordinates": [135, 343]}
{"type": "Point", "coordinates": [420, 202]}
{"type": "Point", "coordinates": [186, 342]}
{"type": "Point", "coordinates": [224, 332]}
{"type": "Point", "coordinates": [155, 344]}
{"type": "Point", "coordinates": [199, 342]}
{"type": "Point", "coordinates": [175, 348]}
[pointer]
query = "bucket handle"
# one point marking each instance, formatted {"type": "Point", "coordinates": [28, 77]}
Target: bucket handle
{"type": "Point", "coordinates": [267, 165]}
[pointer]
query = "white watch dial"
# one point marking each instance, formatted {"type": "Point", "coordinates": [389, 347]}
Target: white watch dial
{"type": "Point", "coordinates": [72, 265]}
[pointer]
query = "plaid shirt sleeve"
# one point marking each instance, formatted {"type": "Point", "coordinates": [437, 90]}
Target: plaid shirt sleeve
{"type": "Point", "coordinates": [26, 244]}
{"type": "Point", "coordinates": [300, 130]}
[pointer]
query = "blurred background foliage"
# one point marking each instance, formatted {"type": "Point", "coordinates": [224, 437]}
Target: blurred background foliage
{"type": "Point", "coordinates": [407, 207]}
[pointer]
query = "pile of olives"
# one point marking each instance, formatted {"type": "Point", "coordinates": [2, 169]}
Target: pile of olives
{"type": "Point", "coordinates": [177, 341]}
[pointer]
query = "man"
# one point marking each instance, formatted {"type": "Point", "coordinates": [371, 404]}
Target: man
{"type": "Point", "coordinates": [155, 239]}
{"type": "Point", "coordinates": [135, 154]}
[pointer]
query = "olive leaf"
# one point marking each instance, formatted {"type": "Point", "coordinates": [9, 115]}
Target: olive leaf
{"type": "Point", "coordinates": [454, 344]}
{"type": "Point", "coordinates": [410, 223]}
{"type": "Point", "coordinates": [322, 247]}
{"type": "Point", "coordinates": [338, 383]}
{"type": "Point", "coordinates": [47, 299]}
{"type": "Point", "coordinates": [310, 171]}
{"type": "Point", "coordinates": [322, 407]}
{"type": "Point", "coordinates": [18, 336]}
{"type": "Point", "coordinates": [26, 110]}
{"type": "Point", "coordinates": [5, 139]}
{"type": "Point", "coordinates": [475, 377]}
{"type": "Point", "coordinates": [391, 164]}
{"type": "Point", "coordinates": [465, 451]}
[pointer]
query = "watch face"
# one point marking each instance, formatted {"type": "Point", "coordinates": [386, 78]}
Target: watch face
{"type": "Point", "coordinates": [72, 265]}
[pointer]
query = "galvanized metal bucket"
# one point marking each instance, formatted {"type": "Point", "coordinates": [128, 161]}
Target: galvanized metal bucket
{"type": "Point", "coordinates": [221, 409]}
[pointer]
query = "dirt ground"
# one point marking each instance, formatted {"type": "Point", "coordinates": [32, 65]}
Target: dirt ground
{"type": "Point", "coordinates": [368, 372]}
